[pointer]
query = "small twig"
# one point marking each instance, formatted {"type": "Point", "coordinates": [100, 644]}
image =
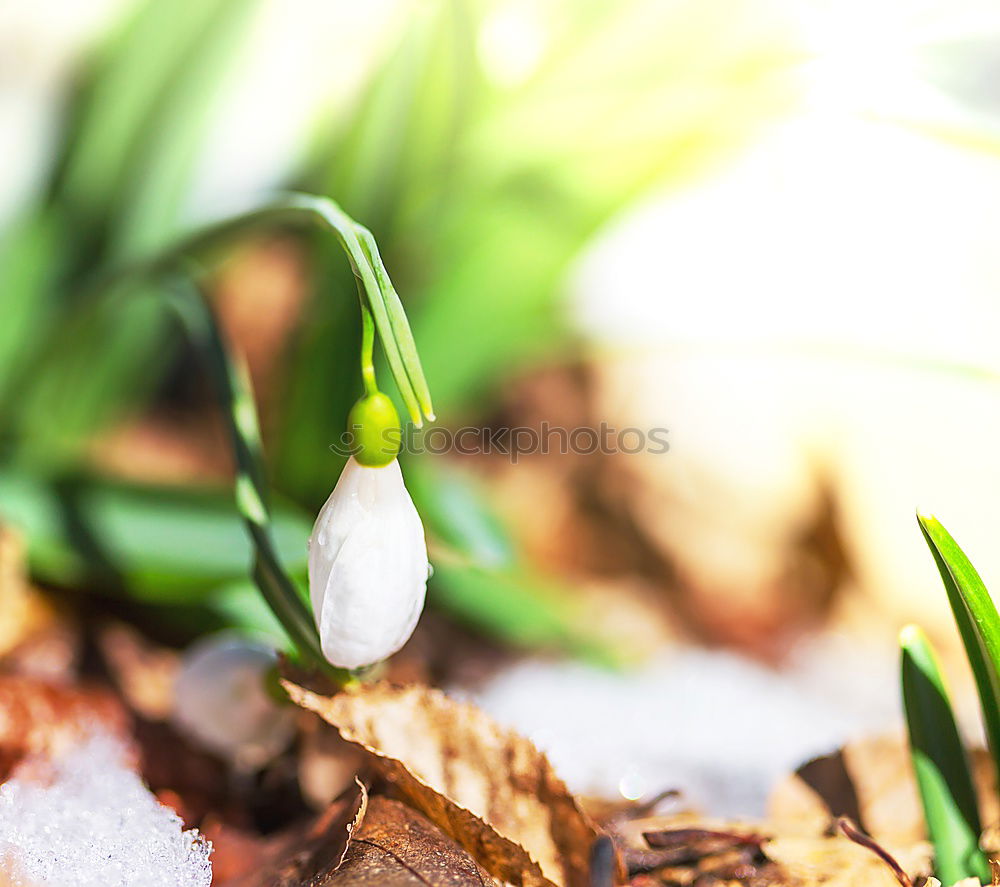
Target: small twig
{"type": "Point", "coordinates": [721, 840]}
{"type": "Point", "coordinates": [645, 808]}
{"type": "Point", "coordinates": [852, 832]}
{"type": "Point", "coordinates": [688, 846]}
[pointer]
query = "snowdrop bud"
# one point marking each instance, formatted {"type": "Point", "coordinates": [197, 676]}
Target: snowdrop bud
{"type": "Point", "coordinates": [367, 566]}
{"type": "Point", "coordinates": [222, 701]}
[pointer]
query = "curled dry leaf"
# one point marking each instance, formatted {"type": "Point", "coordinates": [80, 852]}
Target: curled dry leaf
{"type": "Point", "coordinates": [397, 847]}
{"type": "Point", "coordinates": [41, 718]}
{"type": "Point", "coordinates": [489, 788]}
{"type": "Point", "coordinates": [311, 858]}
{"type": "Point", "coordinates": [871, 782]}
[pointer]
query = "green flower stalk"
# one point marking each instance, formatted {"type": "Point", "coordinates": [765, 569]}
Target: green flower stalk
{"type": "Point", "coordinates": [373, 423]}
{"type": "Point", "coordinates": [380, 550]}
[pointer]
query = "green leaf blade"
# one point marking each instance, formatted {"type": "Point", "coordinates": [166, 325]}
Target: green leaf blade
{"type": "Point", "coordinates": [159, 545]}
{"type": "Point", "coordinates": [977, 620]}
{"type": "Point", "coordinates": [940, 764]}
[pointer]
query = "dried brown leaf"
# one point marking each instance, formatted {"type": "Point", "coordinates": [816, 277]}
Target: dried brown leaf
{"type": "Point", "coordinates": [143, 671]}
{"type": "Point", "coordinates": [871, 782]}
{"type": "Point", "coordinates": [310, 859]}
{"type": "Point", "coordinates": [327, 764]}
{"type": "Point", "coordinates": [681, 848]}
{"type": "Point", "coordinates": [398, 847]}
{"type": "Point", "coordinates": [489, 788]}
{"type": "Point", "coordinates": [839, 862]}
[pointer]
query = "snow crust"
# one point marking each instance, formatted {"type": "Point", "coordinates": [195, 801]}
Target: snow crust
{"type": "Point", "coordinates": [86, 819]}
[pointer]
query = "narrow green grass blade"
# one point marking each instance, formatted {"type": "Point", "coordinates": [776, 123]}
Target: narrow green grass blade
{"type": "Point", "coordinates": [82, 374]}
{"type": "Point", "coordinates": [232, 391]}
{"type": "Point", "coordinates": [167, 150]}
{"type": "Point", "coordinates": [137, 124]}
{"type": "Point", "coordinates": [977, 620]}
{"type": "Point", "coordinates": [29, 264]}
{"type": "Point", "coordinates": [940, 764]}
{"type": "Point", "coordinates": [131, 143]}
{"type": "Point", "coordinates": [157, 544]}
{"type": "Point", "coordinates": [112, 114]}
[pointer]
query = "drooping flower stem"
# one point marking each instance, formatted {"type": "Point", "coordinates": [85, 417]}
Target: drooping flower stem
{"type": "Point", "coordinates": [367, 350]}
{"type": "Point", "coordinates": [232, 390]}
{"type": "Point", "coordinates": [374, 286]}
{"type": "Point", "coordinates": [382, 313]}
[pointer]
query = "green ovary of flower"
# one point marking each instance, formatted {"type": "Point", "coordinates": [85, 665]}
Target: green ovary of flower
{"type": "Point", "coordinates": [375, 431]}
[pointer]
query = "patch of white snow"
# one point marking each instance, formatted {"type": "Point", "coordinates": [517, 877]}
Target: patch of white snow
{"type": "Point", "coordinates": [86, 819]}
{"type": "Point", "coordinates": [719, 727]}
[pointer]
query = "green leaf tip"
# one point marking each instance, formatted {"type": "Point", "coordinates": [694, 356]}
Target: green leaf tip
{"type": "Point", "coordinates": [977, 620]}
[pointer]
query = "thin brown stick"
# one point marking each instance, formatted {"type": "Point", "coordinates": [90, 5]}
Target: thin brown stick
{"type": "Point", "coordinates": [852, 832]}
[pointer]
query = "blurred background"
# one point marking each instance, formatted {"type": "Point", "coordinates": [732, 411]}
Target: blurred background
{"type": "Point", "coordinates": [767, 227]}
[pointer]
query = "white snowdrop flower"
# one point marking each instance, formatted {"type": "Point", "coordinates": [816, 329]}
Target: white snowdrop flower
{"type": "Point", "coordinates": [367, 566]}
{"type": "Point", "coordinates": [221, 700]}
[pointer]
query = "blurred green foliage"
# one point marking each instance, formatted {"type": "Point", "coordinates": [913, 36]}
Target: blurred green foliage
{"type": "Point", "coordinates": [480, 193]}
{"type": "Point", "coordinates": [131, 137]}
